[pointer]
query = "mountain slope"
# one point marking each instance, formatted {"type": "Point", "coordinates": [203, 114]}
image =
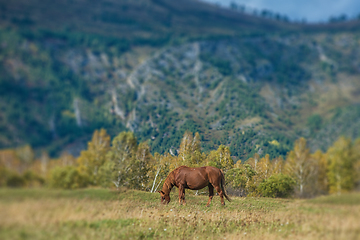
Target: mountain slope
{"type": "Point", "coordinates": [160, 68]}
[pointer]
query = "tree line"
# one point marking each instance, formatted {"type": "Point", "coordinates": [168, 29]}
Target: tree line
{"type": "Point", "coordinates": [123, 162]}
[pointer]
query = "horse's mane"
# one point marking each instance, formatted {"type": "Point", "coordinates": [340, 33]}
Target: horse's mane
{"type": "Point", "coordinates": [167, 182]}
{"type": "Point", "coordinates": [170, 179]}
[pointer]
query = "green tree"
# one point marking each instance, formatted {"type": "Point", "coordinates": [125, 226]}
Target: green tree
{"type": "Point", "coordinates": [314, 122]}
{"type": "Point", "coordinates": [241, 178]}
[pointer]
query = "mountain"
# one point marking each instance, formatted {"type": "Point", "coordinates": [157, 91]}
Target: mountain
{"type": "Point", "coordinates": [162, 67]}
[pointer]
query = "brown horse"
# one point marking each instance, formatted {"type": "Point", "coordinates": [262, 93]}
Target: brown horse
{"type": "Point", "coordinates": [194, 178]}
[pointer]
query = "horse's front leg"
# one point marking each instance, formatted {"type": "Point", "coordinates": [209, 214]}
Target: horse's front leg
{"type": "Point", "coordinates": [182, 195]}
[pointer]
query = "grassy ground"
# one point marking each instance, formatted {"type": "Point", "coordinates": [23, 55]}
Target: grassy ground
{"type": "Point", "coordinates": [103, 214]}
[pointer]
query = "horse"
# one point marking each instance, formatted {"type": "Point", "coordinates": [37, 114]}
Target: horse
{"type": "Point", "coordinates": [194, 178]}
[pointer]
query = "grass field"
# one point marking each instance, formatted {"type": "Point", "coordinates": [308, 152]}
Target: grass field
{"type": "Point", "coordinates": [104, 214]}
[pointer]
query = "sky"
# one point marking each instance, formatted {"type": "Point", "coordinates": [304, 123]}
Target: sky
{"type": "Point", "coordinates": [311, 10]}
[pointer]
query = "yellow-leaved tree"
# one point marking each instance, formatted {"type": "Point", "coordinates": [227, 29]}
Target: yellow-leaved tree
{"type": "Point", "coordinates": [190, 151]}
{"type": "Point", "coordinates": [144, 162]}
{"type": "Point", "coordinates": [221, 158]}
{"type": "Point", "coordinates": [26, 156]}
{"type": "Point", "coordinates": [322, 184]}
{"type": "Point", "coordinates": [91, 159]}
{"type": "Point", "coordinates": [341, 168]}
{"type": "Point", "coordinates": [277, 165]}
{"type": "Point", "coordinates": [302, 168]}
{"type": "Point", "coordinates": [159, 170]}
{"type": "Point", "coordinates": [356, 148]}
{"type": "Point", "coordinates": [264, 168]}
{"type": "Point", "coordinates": [120, 166]}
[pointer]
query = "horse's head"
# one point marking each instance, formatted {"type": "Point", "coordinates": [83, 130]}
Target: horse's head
{"type": "Point", "coordinates": [165, 198]}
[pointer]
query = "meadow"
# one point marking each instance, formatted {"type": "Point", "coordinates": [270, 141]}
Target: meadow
{"type": "Point", "coordinates": [96, 213]}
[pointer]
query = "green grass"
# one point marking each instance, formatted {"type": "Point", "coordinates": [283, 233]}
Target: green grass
{"type": "Point", "coordinates": [343, 199]}
{"type": "Point", "coordinates": [8, 194]}
{"type": "Point", "coordinates": [128, 214]}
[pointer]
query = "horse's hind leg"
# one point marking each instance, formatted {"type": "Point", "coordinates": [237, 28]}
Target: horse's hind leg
{"type": "Point", "coordinates": [211, 194]}
{"type": "Point", "coordinates": [221, 194]}
{"type": "Point", "coordinates": [183, 196]}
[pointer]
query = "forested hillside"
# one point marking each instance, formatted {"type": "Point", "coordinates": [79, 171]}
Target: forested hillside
{"type": "Point", "coordinates": [159, 68]}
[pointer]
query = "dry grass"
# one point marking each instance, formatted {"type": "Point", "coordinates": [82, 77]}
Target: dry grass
{"type": "Point", "coordinates": [136, 215]}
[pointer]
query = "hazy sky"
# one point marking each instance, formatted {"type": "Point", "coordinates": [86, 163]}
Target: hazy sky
{"type": "Point", "coordinates": [311, 10]}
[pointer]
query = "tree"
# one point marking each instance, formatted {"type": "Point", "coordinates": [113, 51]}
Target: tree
{"type": "Point", "coordinates": [277, 165]}
{"type": "Point", "coordinates": [314, 122]}
{"type": "Point", "coordinates": [221, 158]}
{"type": "Point", "coordinates": [341, 168]}
{"type": "Point", "coordinates": [254, 161]}
{"type": "Point", "coordinates": [322, 184]}
{"type": "Point", "coordinates": [301, 167]}
{"type": "Point", "coordinates": [190, 150]}
{"type": "Point", "coordinates": [240, 178]}
{"type": "Point", "coordinates": [143, 163]}
{"type": "Point", "coordinates": [264, 167]}
{"type": "Point", "coordinates": [356, 149]}
{"type": "Point", "coordinates": [91, 159]}
{"type": "Point", "coordinates": [120, 167]}
{"type": "Point", "coordinates": [159, 170]}
{"type": "Point", "coordinates": [25, 154]}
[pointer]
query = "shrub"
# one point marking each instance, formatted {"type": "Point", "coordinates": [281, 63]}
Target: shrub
{"type": "Point", "coordinates": [10, 178]}
{"type": "Point", "coordinates": [4, 173]}
{"type": "Point", "coordinates": [32, 179]}
{"type": "Point", "coordinates": [278, 185]}
{"type": "Point", "coordinates": [15, 180]}
{"type": "Point", "coordinates": [68, 177]}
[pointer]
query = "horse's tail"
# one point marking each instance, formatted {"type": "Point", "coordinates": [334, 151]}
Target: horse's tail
{"type": "Point", "coordinates": [222, 183]}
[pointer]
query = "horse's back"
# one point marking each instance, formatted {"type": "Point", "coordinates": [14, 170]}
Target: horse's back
{"type": "Point", "coordinates": [213, 174]}
{"type": "Point", "coordinates": [202, 170]}
{"type": "Point", "coordinates": [212, 170]}
{"type": "Point", "coordinates": [197, 178]}
{"type": "Point", "coordinates": [192, 178]}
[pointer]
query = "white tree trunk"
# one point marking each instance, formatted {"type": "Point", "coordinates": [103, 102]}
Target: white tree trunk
{"type": "Point", "coordinates": [153, 185]}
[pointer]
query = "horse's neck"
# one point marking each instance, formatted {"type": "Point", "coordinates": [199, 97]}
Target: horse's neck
{"type": "Point", "coordinates": [169, 183]}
